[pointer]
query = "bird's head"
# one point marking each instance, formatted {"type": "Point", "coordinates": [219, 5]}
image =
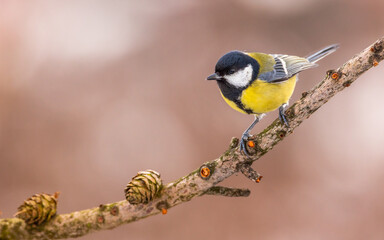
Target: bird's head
{"type": "Point", "coordinates": [236, 68]}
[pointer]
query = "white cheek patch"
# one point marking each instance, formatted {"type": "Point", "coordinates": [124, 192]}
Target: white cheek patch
{"type": "Point", "coordinates": [241, 78]}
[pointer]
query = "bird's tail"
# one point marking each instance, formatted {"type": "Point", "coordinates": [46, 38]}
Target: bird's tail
{"type": "Point", "coordinates": [322, 53]}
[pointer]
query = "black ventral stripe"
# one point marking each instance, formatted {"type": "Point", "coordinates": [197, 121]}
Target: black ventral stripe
{"type": "Point", "coordinates": [233, 94]}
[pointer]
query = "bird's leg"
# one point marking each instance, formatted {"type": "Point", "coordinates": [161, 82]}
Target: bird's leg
{"type": "Point", "coordinates": [282, 117]}
{"type": "Point", "coordinates": [246, 135]}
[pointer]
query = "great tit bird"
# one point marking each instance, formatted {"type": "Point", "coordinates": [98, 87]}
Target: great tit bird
{"type": "Point", "coordinates": [257, 83]}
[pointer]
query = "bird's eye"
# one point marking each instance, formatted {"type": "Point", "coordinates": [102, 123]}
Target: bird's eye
{"type": "Point", "coordinates": [232, 71]}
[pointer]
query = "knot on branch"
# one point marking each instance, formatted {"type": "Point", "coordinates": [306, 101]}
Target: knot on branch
{"type": "Point", "coordinates": [206, 170]}
{"type": "Point", "coordinates": [378, 46]}
{"type": "Point", "coordinates": [333, 74]}
{"type": "Point", "coordinates": [163, 207]}
{"type": "Point", "coordinates": [251, 147]}
{"type": "Point", "coordinates": [377, 56]}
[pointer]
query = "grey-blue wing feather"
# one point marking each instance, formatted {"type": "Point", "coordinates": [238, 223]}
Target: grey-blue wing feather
{"type": "Point", "coordinates": [285, 67]}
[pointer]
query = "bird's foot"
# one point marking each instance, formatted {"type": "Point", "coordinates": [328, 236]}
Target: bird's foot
{"type": "Point", "coordinates": [243, 141]}
{"type": "Point", "coordinates": [282, 116]}
{"type": "Point", "coordinates": [283, 119]}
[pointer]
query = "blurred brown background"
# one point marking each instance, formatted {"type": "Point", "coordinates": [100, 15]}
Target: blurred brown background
{"type": "Point", "coordinates": [87, 86]}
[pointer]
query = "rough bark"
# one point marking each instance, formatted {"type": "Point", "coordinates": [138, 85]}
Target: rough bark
{"type": "Point", "coordinates": [195, 184]}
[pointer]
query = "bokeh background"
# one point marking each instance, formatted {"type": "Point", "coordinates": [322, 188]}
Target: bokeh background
{"type": "Point", "coordinates": [88, 87]}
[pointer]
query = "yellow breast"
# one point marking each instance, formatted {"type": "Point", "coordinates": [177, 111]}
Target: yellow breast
{"type": "Point", "coordinates": [232, 104]}
{"type": "Point", "coordinates": [263, 97]}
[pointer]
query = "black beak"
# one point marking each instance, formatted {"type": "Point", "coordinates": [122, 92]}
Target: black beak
{"type": "Point", "coordinates": [213, 77]}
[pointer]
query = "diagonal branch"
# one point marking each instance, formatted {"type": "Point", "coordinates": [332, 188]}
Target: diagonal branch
{"type": "Point", "coordinates": [203, 180]}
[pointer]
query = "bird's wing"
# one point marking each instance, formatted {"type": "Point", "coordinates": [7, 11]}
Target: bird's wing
{"type": "Point", "coordinates": [285, 67]}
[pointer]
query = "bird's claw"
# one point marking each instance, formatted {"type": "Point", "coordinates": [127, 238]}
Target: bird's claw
{"type": "Point", "coordinates": [282, 116]}
{"type": "Point", "coordinates": [243, 141]}
{"type": "Point", "coordinates": [283, 119]}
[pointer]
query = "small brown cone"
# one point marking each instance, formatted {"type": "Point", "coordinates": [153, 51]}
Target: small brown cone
{"type": "Point", "coordinates": [144, 187]}
{"type": "Point", "coordinates": [38, 209]}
